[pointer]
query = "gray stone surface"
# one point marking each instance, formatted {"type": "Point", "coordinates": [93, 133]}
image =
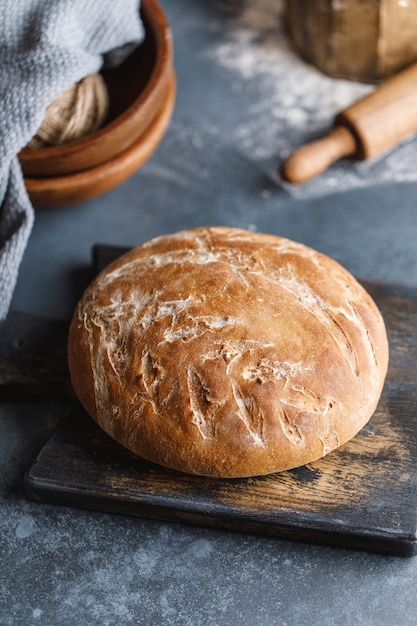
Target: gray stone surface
{"type": "Point", "coordinates": [68, 566]}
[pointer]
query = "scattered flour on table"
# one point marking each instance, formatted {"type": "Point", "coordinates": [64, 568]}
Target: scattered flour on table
{"type": "Point", "coordinates": [294, 102]}
{"type": "Point", "coordinates": [25, 527]}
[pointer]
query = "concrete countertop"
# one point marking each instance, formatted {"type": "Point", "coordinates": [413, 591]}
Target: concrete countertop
{"type": "Point", "coordinates": [68, 566]}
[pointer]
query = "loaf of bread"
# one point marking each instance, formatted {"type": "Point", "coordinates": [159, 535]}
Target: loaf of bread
{"type": "Point", "coordinates": [226, 353]}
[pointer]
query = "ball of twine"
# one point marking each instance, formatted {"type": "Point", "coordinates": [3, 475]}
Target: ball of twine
{"type": "Point", "coordinates": [79, 110]}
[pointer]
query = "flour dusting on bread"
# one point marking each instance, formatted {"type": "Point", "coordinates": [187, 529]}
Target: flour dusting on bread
{"type": "Point", "coordinates": [228, 353]}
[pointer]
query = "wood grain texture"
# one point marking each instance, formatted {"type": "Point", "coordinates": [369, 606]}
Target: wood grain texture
{"type": "Point", "coordinates": [374, 124]}
{"type": "Point", "coordinates": [362, 496]}
{"type": "Point", "coordinates": [33, 359]}
{"type": "Point", "coordinates": [365, 41]}
{"type": "Point", "coordinates": [314, 158]}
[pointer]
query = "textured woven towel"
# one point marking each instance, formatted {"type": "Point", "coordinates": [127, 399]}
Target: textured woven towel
{"type": "Point", "coordinates": [46, 46]}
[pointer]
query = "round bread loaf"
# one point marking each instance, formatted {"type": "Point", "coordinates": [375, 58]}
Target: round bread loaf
{"type": "Point", "coordinates": [227, 353]}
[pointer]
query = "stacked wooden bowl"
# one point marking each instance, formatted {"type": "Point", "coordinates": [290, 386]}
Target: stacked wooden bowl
{"type": "Point", "coordinates": [142, 95]}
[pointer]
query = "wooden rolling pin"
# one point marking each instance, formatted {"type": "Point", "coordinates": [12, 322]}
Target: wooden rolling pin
{"type": "Point", "coordinates": [376, 123]}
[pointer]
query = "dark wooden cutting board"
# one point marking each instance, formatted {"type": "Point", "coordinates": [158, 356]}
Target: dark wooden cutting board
{"type": "Point", "coordinates": [362, 496]}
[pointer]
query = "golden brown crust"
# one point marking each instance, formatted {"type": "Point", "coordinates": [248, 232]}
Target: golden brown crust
{"type": "Point", "coordinates": [227, 353]}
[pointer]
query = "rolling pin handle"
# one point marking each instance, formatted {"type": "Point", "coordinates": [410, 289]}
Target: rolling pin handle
{"type": "Point", "coordinates": [316, 157]}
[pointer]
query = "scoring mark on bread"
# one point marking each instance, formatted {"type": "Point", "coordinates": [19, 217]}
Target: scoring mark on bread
{"type": "Point", "coordinates": [152, 376]}
{"type": "Point", "coordinates": [286, 278]}
{"type": "Point", "coordinates": [194, 327]}
{"type": "Point", "coordinates": [251, 415]}
{"type": "Point", "coordinates": [289, 428]}
{"type": "Point", "coordinates": [114, 323]}
{"type": "Point", "coordinates": [231, 351]}
{"type": "Point", "coordinates": [183, 325]}
{"type": "Point", "coordinates": [271, 371]}
{"type": "Point", "coordinates": [203, 407]}
{"type": "Point", "coordinates": [156, 309]}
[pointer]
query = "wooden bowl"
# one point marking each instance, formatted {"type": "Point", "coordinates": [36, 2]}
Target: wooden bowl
{"type": "Point", "coordinates": [142, 95]}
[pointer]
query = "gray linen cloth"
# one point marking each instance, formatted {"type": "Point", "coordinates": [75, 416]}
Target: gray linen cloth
{"type": "Point", "coordinates": [46, 46]}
